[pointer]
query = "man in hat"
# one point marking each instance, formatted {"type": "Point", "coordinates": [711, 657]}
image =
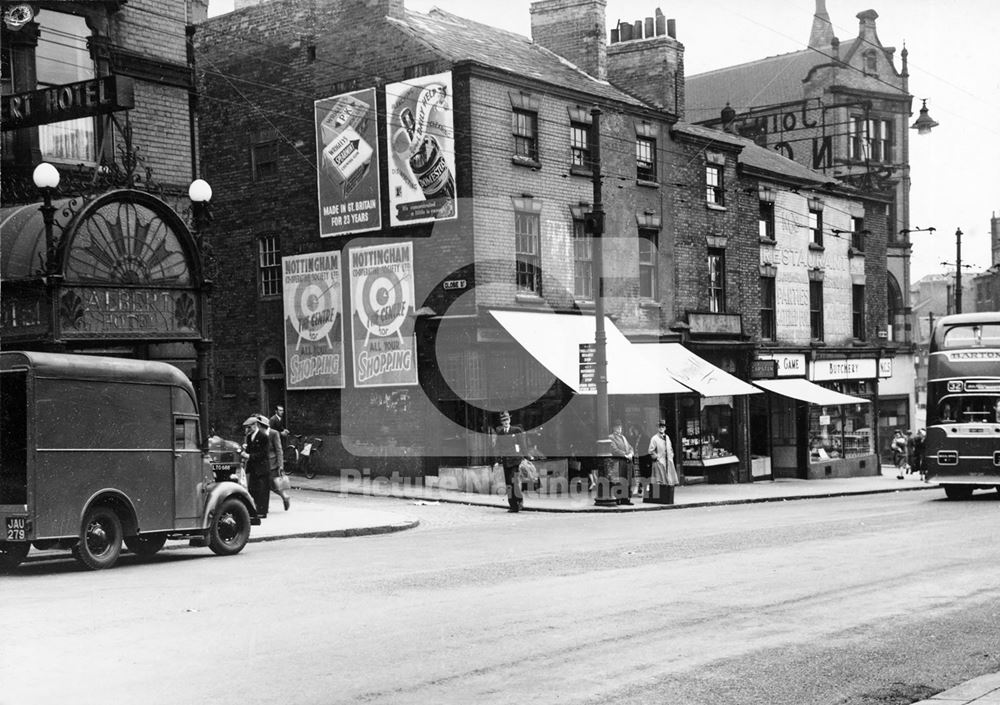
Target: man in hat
{"type": "Point", "coordinates": [511, 447]}
{"type": "Point", "coordinates": [258, 468]}
{"type": "Point", "coordinates": [275, 458]}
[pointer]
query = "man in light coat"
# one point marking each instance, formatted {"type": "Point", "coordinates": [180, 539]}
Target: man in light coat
{"type": "Point", "coordinates": [662, 452]}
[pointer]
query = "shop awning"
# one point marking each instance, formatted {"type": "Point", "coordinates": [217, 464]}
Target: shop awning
{"type": "Point", "coordinates": [695, 372]}
{"type": "Point", "coordinates": [804, 390]}
{"type": "Point", "coordinates": [554, 340]}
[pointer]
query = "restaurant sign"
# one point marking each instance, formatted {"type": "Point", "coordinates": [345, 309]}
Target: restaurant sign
{"type": "Point", "coordinates": [69, 101]}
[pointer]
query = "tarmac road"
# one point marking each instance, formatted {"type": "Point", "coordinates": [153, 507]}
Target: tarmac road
{"type": "Point", "coordinates": [869, 599]}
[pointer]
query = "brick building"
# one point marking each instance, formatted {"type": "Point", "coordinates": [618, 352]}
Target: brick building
{"type": "Point", "coordinates": [841, 107]}
{"type": "Point", "coordinates": [101, 91]}
{"type": "Point", "coordinates": [490, 228]}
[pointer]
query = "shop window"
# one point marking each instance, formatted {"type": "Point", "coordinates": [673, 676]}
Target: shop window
{"type": "Point", "coordinates": [843, 431]}
{"type": "Point", "coordinates": [579, 144]}
{"type": "Point", "coordinates": [524, 124]}
{"type": "Point", "coordinates": [647, 263]}
{"type": "Point", "coordinates": [768, 310]}
{"type": "Point", "coordinates": [583, 262]}
{"type": "Point", "coordinates": [527, 250]}
{"type": "Point", "coordinates": [716, 280]}
{"type": "Point", "coordinates": [269, 263]}
{"type": "Point", "coordinates": [707, 431]}
{"type": "Point", "coordinates": [645, 158]}
{"type": "Point", "coordinates": [816, 309]}
{"type": "Point", "coordinates": [714, 187]}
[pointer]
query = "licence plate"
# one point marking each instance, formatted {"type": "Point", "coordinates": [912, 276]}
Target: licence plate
{"type": "Point", "coordinates": [16, 529]}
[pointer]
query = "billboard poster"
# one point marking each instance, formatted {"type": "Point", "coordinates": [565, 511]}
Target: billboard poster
{"type": "Point", "coordinates": [420, 131]}
{"type": "Point", "coordinates": [382, 315]}
{"type": "Point", "coordinates": [314, 321]}
{"type": "Point", "coordinates": [347, 171]}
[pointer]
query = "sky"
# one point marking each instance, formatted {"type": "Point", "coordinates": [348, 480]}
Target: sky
{"type": "Point", "coordinates": [953, 63]}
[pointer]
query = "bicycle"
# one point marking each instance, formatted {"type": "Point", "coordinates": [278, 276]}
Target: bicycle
{"type": "Point", "coordinates": [299, 454]}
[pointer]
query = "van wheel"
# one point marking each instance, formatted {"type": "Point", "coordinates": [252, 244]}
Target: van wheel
{"type": "Point", "coordinates": [11, 554]}
{"type": "Point", "coordinates": [101, 539]}
{"type": "Point", "coordinates": [145, 545]}
{"type": "Point", "coordinates": [230, 529]}
{"type": "Point", "coordinates": [956, 492]}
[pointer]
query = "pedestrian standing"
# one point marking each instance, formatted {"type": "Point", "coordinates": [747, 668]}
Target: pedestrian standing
{"type": "Point", "coordinates": [898, 447]}
{"type": "Point", "coordinates": [277, 423]}
{"type": "Point", "coordinates": [258, 469]}
{"type": "Point", "coordinates": [919, 447]}
{"type": "Point", "coordinates": [624, 454]}
{"type": "Point", "coordinates": [511, 447]}
{"type": "Point", "coordinates": [664, 471]}
{"type": "Point", "coordinates": [275, 460]}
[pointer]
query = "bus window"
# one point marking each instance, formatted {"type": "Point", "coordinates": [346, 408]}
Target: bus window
{"type": "Point", "coordinates": [985, 335]}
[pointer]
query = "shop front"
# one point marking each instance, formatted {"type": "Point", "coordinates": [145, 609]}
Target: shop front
{"type": "Point", "coordinates": [821, 424]}
{"type": "Point", "coordinates": [117, 275]}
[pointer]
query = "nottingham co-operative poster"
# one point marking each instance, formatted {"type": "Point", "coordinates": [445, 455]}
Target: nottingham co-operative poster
{"type": "Point", "coordinates": [314, 323]}
{"type": "Point", "coordinates": [421, 135]}
{"type": "Point", "coordinates": [347, 159]}
{"type": "Point", "coordinates": [381, 315]}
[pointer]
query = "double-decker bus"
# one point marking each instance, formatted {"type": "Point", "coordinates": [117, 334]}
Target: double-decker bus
{"type": "Point", "coordinates": [963, 404]}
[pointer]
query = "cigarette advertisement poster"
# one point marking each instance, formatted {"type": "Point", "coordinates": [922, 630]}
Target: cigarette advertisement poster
{"type": "Point", "coordinates": [347, 163]}
{"type": "Point", "coordinates": [421, 135]}
{"type": "Point", "coordinates": [382, 320]}
{"type": "Point", "coordinates": [314, 322]}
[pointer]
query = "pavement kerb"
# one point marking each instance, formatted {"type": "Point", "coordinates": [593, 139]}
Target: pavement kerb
{"type": "Point", "coordinates": [648, 507]}
{"type": "Point", "coordinates": [337, 533]}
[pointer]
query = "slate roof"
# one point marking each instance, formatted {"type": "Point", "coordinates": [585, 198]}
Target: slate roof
{"type": "Point", "coordinates": [776, 79]}
{"type": "Point", "coordinates": [761, 158]}
{"type": "Point", "coordinates": [459, 39]}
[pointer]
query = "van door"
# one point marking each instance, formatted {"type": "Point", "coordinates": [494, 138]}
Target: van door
{"type": "Point", "coordinates": [189, 498]}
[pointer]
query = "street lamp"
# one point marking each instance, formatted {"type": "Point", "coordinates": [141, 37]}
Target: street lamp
{"type": "Point", "coordinates": [923, 124]}
{"type": "Point", "coordinates": [200, 194]}
{"type": "Point", "coordinates": [46, 178]}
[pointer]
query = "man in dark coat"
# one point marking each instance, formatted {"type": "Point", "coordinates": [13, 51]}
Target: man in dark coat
{"type": "Point", "coordinates": [511, 447]}
{"type": "Point", "coordinates": [258, 468]}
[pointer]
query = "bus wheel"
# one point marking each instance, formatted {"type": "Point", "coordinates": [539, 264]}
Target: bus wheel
{"type": "Point", "coordinates": [230, 529]}
{"type": "Point", "coordinates": [101, 540]}
{"type": "Point", "coordinates": [957, 491]}
{"type": "Point", "coordinates": [11, 554]}
{"type": "Point", "coordinates": [146, 545]}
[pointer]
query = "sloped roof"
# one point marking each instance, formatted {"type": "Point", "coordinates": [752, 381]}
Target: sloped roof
{"type": "Point", "coordinates": [458, 39]}
{"type": "Point", "coordinates": [760, 158]}
{"type": "Point", "coordinates": [776, 79]}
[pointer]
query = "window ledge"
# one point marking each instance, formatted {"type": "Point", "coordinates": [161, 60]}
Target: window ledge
{"type": "Point", "coordinates": [715, 207]}
{"type": "Point", "coordinates": [649, 303]}
{"type": "Point", "coordinates": [855, 252]}
{"type": "Point", "coordinates": [577, 170]}
{"type": "Point", "coordinates": [768, 241]}
{"type": "Point", "coordinates": [525, 161]}
{"type": "Point", "coordinates": [528, 299]}
{"type": "Point", "coordinates": [816, 246]}
{"type": "Point", "coordinates": [585, 304]}
{"type": "Point", "coordinates": [817, 343]}
{"type": "Point", "coordinates": [647, 183]}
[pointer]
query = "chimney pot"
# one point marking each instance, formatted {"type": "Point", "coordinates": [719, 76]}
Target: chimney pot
{"type": "Point", "coordinates": [661, 23]}
{"type": "Point", "coordinates": [626, 31]}
{"type": "Point", "coordinates": [637, 30]}
{"type": "Point", "coordinates": [615, 36]}
{"type": "Point", "coordinates": [649, 27]}
{"type": "Point", "coordinates": [672, 29]}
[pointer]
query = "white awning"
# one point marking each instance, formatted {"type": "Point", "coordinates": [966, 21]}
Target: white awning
{"type": "Point", "coordinates": [554, 340]}
{"type": "Point", "coordinates": [804, 390]}
{"type": "Point", "coordinates": [695, 372]}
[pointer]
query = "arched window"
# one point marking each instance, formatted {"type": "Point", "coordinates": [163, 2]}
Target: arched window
{"type": "Point", "coordinates": [897, 314]}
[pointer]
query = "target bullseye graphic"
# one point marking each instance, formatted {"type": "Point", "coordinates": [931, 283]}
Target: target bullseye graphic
{"type": "Point", "coordinates": [314, 310]}
{"type": "Point", "coordinates": [383, 302]}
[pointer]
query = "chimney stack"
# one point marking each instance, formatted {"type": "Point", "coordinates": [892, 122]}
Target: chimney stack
{"type": "Point", "coordinates": [651, 66]}
{"type": "Point", "coordinates": [573, 29]}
